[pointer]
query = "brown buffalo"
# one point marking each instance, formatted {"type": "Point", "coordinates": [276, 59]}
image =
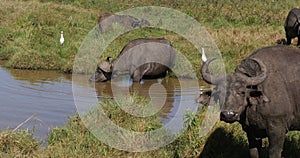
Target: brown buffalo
{"type": "Point", "coordinates": [140, 58]}
{"type": "Point", "coordinates": [106, 20]}
{"type": "Point", "coordinates": [263, 95]}
{"type": "Point", "coordinates": [204, 96]}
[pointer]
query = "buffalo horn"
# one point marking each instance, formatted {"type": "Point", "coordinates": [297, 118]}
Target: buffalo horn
{"type": "Point", "coordinates": [207, 77]}
{"type": "Point", "coordinates": [257, 79]}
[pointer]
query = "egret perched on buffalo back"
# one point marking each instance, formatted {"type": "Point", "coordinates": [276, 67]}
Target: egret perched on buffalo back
{"type": "Point", "coordinates": [62, 40]}
{"type": "Point", "coordinates": [203, 55]}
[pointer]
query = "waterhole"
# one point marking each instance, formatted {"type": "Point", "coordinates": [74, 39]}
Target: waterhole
{"type": "Point", "coordinates": [46, 98]}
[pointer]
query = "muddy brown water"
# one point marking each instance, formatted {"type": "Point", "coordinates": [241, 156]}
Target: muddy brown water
{"type": "Point", "coordinates": [48, 97]}
{"type": "Point", "coordinates": [167, 93]}
{"type": "Point", "coordinates": [45, 95]}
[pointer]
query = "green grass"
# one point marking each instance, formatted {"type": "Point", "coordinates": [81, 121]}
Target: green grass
{"type": "Point", "coordinates": [17, 143]}
{"type": "Point", "coordinates": [30, 30]}
{"type": "Point", "coordinates": [75, 140]}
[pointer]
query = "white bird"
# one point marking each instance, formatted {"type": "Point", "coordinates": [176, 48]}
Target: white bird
{"type": "Point", "coordinates": [203, 55]}
{"type": "Point", "coordinates": [62, 40]}
{"type": "Point", "coordinates": [142, 81]}
{"type": "Point", "coordinates": [159, 81]}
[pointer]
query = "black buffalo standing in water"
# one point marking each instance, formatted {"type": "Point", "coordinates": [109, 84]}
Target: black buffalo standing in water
{"type": "Point", "coordinates": [263, 95]}
{"type": "Point", "coordinates": [140, 58]}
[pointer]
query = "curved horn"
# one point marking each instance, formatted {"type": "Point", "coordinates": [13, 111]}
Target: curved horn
{"type": "Point", "coordinates": [207, 77]}
{"type": "Point", "coordinates": [257, 79]}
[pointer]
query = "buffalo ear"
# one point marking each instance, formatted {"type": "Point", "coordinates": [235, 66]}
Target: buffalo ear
{"type": "Point", "coordinates": [265, 98]}
{"type": "Point", "coordinates": [104, 67]}
{"type": "Point", "coordinates": [256, 94]}
{"type": "Point", "coordinates": [204, 98]}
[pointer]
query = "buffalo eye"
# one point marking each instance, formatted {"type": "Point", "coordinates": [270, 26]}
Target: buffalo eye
{"type": "Point", "coordinates": [241, 93]}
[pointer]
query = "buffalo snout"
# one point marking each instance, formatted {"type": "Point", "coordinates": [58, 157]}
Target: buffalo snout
{"type": "Point", "coordinates": [229, 116]}
{"type": "Point", "coordinates": [94, 77]}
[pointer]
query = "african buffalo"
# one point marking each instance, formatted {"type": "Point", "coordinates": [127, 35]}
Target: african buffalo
{"type": "Point", "coordinates": [140, 58]}
{"type": "Point", "coordinates": [291, 26]}
{"type": "Point", "coordinates": [204, 96]}
{"type": "Point", "coordinates": [106, 20]}
{"type": "Point", "coordinates": [263, 95]}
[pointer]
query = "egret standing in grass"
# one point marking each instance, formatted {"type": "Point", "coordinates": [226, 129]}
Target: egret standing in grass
{"type": "Point", "coordinates": [203, 55]}
{"type": "Point", "coordinates": [62, 40]}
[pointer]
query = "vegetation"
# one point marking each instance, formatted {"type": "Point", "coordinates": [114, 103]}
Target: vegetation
{"type": "Point", "coordinates": [30, 32]}
{"type": "Point", "coordinates": [17, 143]}
{"type": "Point", "coordinates": [75, 140]}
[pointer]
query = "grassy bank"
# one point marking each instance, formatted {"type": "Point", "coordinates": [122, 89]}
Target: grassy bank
{"type": "Point", "coordinates": [30, 33]}
{"type": "Point", "coordinates": [75, 140]}
{"type": "Point", "coordinates": [30, 30]}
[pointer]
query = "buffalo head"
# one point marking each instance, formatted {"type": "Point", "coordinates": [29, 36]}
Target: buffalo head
{"type": "Point", "coordinates": [140, 23]}
{"type": "Point", "coordinates": [236, 91]}
{"type": "Point", "coordinates": [204, 98]}
{"type": "Point", "coordinates": [103, 72]}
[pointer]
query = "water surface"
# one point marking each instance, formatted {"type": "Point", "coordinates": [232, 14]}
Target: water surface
{"type": "Point", "coordinates": [45, 95]}
{"type": "Point", "coordinates": [48, 97]}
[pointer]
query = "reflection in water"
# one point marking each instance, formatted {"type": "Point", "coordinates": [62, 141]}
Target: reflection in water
{"type": "Point", "coordinates": [45, 94]}
{"type": "Point", "coordinates": [167, 92]}
{"type": "Point", "coordinates": [48, 95]}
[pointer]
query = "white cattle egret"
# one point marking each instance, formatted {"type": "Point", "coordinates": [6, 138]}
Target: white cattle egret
{"type": "Point", "coordinates": [159, 81]}
{"type": "Point", "coordinates": [203, 55]}
{"type": "Point", "coordinates": [142, 81]}
{"type": "Point", "coordinates": [62, 40]}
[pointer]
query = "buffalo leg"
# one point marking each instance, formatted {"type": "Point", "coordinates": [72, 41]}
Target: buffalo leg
{"type": "Point", "coordinates": [255, 145]}
{"type": "Point", "coordinates": [288, 40]}
{"type": "Point", "coordinates": [298, 43]}
{"type": "Point", "coordinates": [276, 134]}
{"type": "Point", "coordinates": [137, 75]}
{"type": "Point", "coordinates": [255, 148]}
{"type": "Point", "coordinates": [140, 72]}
